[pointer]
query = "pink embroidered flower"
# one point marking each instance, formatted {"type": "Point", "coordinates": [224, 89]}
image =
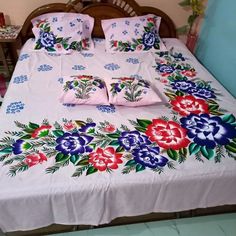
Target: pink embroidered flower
{"type": "Point", "coordinates": [185, 105]}
{"type": "Point", "coordinates": [164, 81]}
{"type": "Point", "coordinates": [126, 79]}
{"type": "Point", "coordinates": [109, 128]}
{"type": "Point", "coordinates": [34, 159]}
{"type": "Point", "coordinates": [151, 19]}
{"type": "Point", "coordinates": [84, 43]}
{"type": "Point", "coordinates": [167, 134]}
{"type": "Point", "coordinates": [69, 126]}
{"type": "Point", "coordinates": [42, 131]}
{"type": "Point", "coordinates": [58, 46]}
{"type": "Point", "coordinates": [189, 73]}
{"type": "Point", "coordinates": [139, 47]}
{"type": "Point", "coordinates": [115, 43]}
{"type": "Point", "coordinates": [105, 158]}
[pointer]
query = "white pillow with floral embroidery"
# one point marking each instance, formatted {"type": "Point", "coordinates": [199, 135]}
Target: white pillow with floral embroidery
{"type": "Point", "coordinates": [62, 32]}
{"type": "Point", "coordinates": [133, 34]}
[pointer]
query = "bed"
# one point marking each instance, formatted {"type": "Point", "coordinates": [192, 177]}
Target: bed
{"type": "Point", "coordinates": [189, 139]}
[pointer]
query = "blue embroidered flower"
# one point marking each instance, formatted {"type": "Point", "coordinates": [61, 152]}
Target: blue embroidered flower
{"type": "Point", "coordinates": [183, 85]}
{"type": "Point", "coordinates": [99, 83]}
{"type": "Point", "coordinates": [137, 25]}
{"type": "Point", "coordinates": [208, 131]}
{"type": "Point", "coordinates": [106, 108]}
{"type": "Point", "coordinates": [98, 40]}
{"type": "Point", "coordinates": [87, 54]}
{"type": "Point", "coordinates": [46, 39]}
{"type": "Point", "coordinates": [60, 28]}
{"type": "Point", "coordinates": [72, 24]}
{"type": "Point", "coordinates": [60, 80]}
{"type": "Point", "coordinates": [112, 66]}
{"type": "Point", "coordinates": [202, 92]}
{"type": "Point", "coordinates": [136, 76]}
{"type": "Point", "coordinates": [133, 60]}
{"type": "Point", "coordinates": [127, 22]}
{"type": "Point", "coordinates": [164, 68]}
{"type": "Point", "coordinates": [124, 32]}
{"type": "Point", "coordinates": [44, 67]}
{"type": "Point", "coordinates": [20, 146]}
{"type": "Point", "coordinates": [15, 107]}
{"type": "Point", "coordinates": [149, 39]}
{"type": "Point", "coordinates": [113, 25]}
{"type": "Point", "coordinates": [73, 144]}
{"type": "Point", "coordinates": [78, 67]}
{"type": "Point", "coordinates": [20, 79]}
{"type": "Point", "coordinates": [69, 105]}
{"type": "Point", "coordinates": [132, 139]}
{"type": "Point", "coordinates": [116, 87]}
{"type": "Point", "coordinates": [54, 19]}
{"type": "Point", "coordinates": [149, 157]}
{"type": "Point", "coordinates": [23, 57]}
{"type": "Point", "coordinates": [87, 127]}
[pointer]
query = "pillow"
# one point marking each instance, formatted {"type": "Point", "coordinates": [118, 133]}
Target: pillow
{"type": "Point", "coordinates": [84, 89]}
{"type": "Point", "coordinates": [131, 92]}
{"type": "Point", "coordinates": [63, 32]}
{"type": "Point", "coordinates": [133, 34]}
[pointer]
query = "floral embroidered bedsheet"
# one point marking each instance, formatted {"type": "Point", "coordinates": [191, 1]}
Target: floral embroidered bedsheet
{"type": "Point", "coordinates": [85, 164]}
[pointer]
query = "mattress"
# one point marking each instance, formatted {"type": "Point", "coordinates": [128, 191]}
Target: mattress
{"type": "Point", "coordinates": [169, 157]}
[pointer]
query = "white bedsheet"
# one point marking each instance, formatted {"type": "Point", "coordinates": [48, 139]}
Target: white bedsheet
{"type": "Point", "coordinates": [33, 199]}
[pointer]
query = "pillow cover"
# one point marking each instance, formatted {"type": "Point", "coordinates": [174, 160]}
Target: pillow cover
{"type": "Point", "coordinates": [133, 34]}
{"type": "Point", "coordinates": [84, 89]}
{"type": "Point", "coordinates": [62, 32]}
{"type": "Point", "coordinates": [131, 92]}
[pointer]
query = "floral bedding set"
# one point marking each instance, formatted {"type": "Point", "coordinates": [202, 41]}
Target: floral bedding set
{"type": "Point", "coordinates": [108, 161]}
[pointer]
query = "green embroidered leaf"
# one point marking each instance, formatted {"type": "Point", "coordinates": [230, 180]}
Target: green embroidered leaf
{"type": "Point", "coordinates": [216, 113]}
{"type": "Point", "coordinates": [27, 136]}
{"type": "Point", "coordinates": [150, 25]}
{"type": "Point", "coordinates": [140, 167]}
{"type": "Point", "coordinates": [179, 93]}
{"type": "Point", "coordinates": [83, 162]}
{"type": "Point", "coordinates": [170, 95]}
{"type": "Point", "coordinates": [114, 143]}
{"type": "Point", "coordinates": [91, 170]}
{"type": "Point", "coordinates": [74, 158]}
{"type": "Point", "coordinates": [58, 40]}
{"type": "Point", "coordinates": [194, 148]}
{"type": "Point", "coordinates": [80, 123]}
{"type": "Point", "coordinates": [183, 152]}
{"type": "Point", "coordinates": [231, 147]}
{"type": "Point", "coordinates": [207, 152]}
{"type": "Point", "coordinates": [58, 132]}
{"type": "Point", "coordinates": [144, 123]}
{"type": "Point", "coordinates": [146, 29]}
{"type": "Point", "coordinates": [28, 130]}
{"type": "Point", "coordinates": [51, 49]}
{"type": "Point", "coordinates": [47, 29]}
{"type": "Point", "coordinates": [38, 46]}
{"type": "Point", "coordinates": [33, 125]}
{"type": "Point", "coordinates": [172, 154]}
{"type": "Point", "coordinates": [114, 136]}
{"type": "Point", "coordinates": [61, 157]}
{"type": "Point", "coordinates": [213, 107]}
{"type": "Point", "coordinates": [6, 150]}
{"type": "Point", "coordinates": [120, 149]}
{"type": "Point", "coordinates": [229, 118]}
{"type": "Point", "coordinates": [130, 163]}
{"type": "Point", "coordinates": [141, 129]}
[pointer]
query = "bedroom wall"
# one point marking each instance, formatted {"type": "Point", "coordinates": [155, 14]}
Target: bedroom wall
{"type": "Point", "coordinates": [17, 11]}
{"type": "Point", "coordinates": [216, 45]}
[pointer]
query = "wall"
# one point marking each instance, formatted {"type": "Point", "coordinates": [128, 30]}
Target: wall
{"type": "Point", "coordinates": [17, 10]}
{"type": "Point", "coordinates": [216, 47]}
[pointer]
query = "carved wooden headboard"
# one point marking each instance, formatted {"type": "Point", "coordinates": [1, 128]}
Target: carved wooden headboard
{"type": "Point", "coordinates": [104, 9]}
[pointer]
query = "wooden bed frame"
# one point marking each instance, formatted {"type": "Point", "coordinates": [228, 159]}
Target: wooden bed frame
{"type": "Point", "coordinates": [105, 9]}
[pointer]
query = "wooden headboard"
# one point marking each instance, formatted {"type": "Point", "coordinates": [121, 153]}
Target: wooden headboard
{"type": "Point", "coordinates": [104, 9]}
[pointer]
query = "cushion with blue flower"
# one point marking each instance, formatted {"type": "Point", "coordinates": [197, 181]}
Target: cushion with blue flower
{"type": "Point", "coordinates": [131, 92]}
{"type": "Point", "coordinates": [133, 34]}
{"type": "Point", "coordinates": [84, 89]}
{"type": "Point", "coordinates": [62, 32]}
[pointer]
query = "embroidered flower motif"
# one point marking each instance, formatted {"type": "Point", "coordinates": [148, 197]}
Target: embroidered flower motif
{"type": "Point", "coordinates": [106, 108]}
{"type": "Point", "coordinates": [167, 134]}
{"type": "Point", "coordinates": [133, 60]}
{"type": "Point", "coordinates": [23, 57]}
{"type": "Point", "coordinates": [104, 159]}
{"type": "Point", "coordinates": [165, 69]}
{"type": "Point", "coordinates": [69, 126]}
{"type": "Point", "coordinates": [20, 146]}
{"type": "Point", "coordinates": [87, 127]}
{"type": "Point", "coordinates": [44, 67]}
{"type": "Point", "coordinates": [132, 139]}
{"type": "Point", "coordinates": [46, 39]}
{"type": "Point", "coordinates": [78, 67]}
{"type": "Point", "coordinates": [109, 128]}
{"type": "Point", "coordinates": [34, 159]}
{"type": "Point", "coordinates": [149, 157]}
{"type": "Point", "coordinates": [73, 143]}
{"type": "Point", "coordinates": [42, 131]}
{"type": "Point", "coordinates": [15, 107]}
{"type": "Point", "coordinates": [186, 105]}
{"type": "Point", "coordinates": [189, 73]}
{"type": "Point", "coordinates": [183, 85]}
{"type": "Point", "coordinates": [112, 66]}
{"type": "Point", "coordinates": [205, 93]}
{"type": "Point", "coordinates": [208, 131]}
{"type": "Point", "coordinates": [20, 79]}
{"type": "Point", "coordinates": [149, 39]}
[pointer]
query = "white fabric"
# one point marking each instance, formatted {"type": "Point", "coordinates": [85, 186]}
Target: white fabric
{"type": "Point", "coordinates": [33, 199]}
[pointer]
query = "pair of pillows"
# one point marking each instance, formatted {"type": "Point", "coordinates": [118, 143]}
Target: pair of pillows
{"type": "Point", "coordinates": [65, 32]}
{"type": "Point", "coordinates": [86, 89]}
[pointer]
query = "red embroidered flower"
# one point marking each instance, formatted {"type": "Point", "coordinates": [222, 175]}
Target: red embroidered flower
{"type": "Point", "coordinates": [84, 43]}
{"type": "Point", "coordinates": [139, 47]}
{"type": "Point", "coordinates": [189, 73]}
{"type": "Point", "coordinates": [40, 22]}
{"type": "Point", "coordinates": [42, 131]}
{"type": "Point", "coordinates": [151, 20]}
{"type": "Point", "coordinates": [164, 81]}
{"type": "Point", "coordinates": [167, 134]}
{"type": "Point", "coordinates": [105, 158]}
{"type": "Point", "coordinates": [58, 46]}
{"type": "Point", "coordinates": [69, 126]}
{"type": "Point", "coordinates": [185, 105]}
{"type": "Point", "coordinates": [115, 43]}
{"type": "Point", "coordinates": [109, 128]}
{"type": "Point", "coordinates": [34, 159]}
{"type": "Point", "coordinates": [127, 79]}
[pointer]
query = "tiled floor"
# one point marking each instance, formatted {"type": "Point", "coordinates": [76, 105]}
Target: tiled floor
{"type": "Point", "coordinates": [216, 225]}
